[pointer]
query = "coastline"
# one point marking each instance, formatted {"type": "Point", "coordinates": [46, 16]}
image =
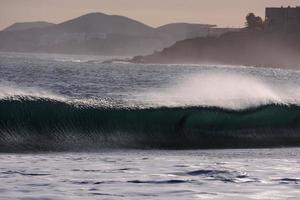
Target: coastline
{"type": "Point", "coordinates": [259, 49]}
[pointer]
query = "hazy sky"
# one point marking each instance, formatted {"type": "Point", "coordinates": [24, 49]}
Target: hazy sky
{"type": "Point", "coordinates": [229, 13]}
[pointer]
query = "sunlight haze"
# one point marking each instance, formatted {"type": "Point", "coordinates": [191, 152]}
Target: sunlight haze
{"type": "Point", "coordinates": [229, 13]}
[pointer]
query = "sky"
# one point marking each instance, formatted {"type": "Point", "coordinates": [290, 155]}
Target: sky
{"type": "Point", "coordinates": [224, 13]}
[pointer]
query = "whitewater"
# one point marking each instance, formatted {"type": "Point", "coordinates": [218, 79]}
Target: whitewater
{"type": "Point", "coordinates": [72, 127]}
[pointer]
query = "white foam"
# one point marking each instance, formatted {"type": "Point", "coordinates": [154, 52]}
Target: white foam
{"type": "Point", "coordinates": [11, 90]}
{"type": "Point", "coordinates": [227, 90]}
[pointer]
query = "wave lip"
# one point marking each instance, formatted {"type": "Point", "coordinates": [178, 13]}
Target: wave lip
{"type": "Point", "coordinates": [42, 124]}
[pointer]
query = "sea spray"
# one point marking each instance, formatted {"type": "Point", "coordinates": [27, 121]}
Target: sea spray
{"type": "Point", "coordinates": [224, 90]}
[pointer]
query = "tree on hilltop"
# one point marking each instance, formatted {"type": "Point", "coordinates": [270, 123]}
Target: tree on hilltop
{"type": "Point", "coordinates": [254, 22]}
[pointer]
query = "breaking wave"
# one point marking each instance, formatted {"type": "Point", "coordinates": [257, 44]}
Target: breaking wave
{"type": "Point", "coordinates": [46, 124]}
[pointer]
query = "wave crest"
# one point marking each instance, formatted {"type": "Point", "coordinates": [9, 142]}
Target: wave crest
{"type": "Point", "coordinates": [47, 124]}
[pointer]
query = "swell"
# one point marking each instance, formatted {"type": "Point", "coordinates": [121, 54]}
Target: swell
{"type": "Point", "coordinates": [41, 124]}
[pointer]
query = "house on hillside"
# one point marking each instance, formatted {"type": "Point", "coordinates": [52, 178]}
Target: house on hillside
{"type": "Point", "coordinates": [283, 19]}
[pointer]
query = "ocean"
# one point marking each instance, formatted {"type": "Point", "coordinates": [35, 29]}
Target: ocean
{"type": "Point", "coordinates": [74, 128]}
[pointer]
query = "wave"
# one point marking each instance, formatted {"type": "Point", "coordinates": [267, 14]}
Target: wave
{"type": "Point", "coordinates": [43, 124]}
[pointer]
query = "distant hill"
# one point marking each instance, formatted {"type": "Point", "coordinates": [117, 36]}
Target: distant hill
{"type": "Point", "coordinates": [27, 25]}
{"type": "Point", "coordinates": [262, 48]}
{"type": "Point", "coordinates": [97, 33]}
{"type": "Point", "coordinates": [102, 23]}
{"type": "Point", "coordinates": [182, 31]}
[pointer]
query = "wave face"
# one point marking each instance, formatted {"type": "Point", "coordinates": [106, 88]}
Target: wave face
{"type": "Point", "coordinates": [42, 124]}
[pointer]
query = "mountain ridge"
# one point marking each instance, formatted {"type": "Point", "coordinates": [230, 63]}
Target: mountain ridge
{"type": "Point", "coordinates": [20, 26]}
{"type": "Point", "coordinates": [99, 33]}
{"type": "Point", "coordinates": [100, 22]}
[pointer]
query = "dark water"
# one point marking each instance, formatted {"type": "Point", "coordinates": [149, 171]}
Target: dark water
{"type": "Point", "coordinates": [51, 125]}
{"type": "Point", "coordinates": [144, 126]}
